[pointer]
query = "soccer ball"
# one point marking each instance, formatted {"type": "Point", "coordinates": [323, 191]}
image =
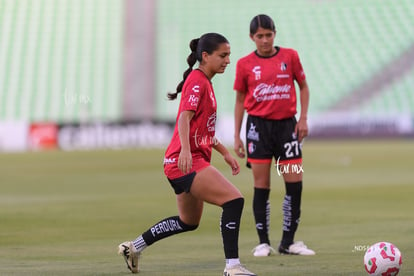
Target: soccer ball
{"type": "Point", "coordinates": [383, 258]}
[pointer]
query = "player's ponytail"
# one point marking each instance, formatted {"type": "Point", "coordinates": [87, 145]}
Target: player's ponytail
{"type": "Point", "coordinates": [191, 60]}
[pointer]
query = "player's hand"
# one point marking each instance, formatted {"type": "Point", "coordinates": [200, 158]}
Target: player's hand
{"type": "Point", "coordinates": [185, 161]}
{"type": "Point", "coordinates": [301, 129]}
{"type": "Point", "coordinates": [235, 167]}
{"type": "Point", "coordinates": [239, 147]}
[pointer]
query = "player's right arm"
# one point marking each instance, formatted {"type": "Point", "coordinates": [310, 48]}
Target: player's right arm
{"type": "Point", "coordinates": [184, 159]}
{"type": "Point", "coordinates": [238, 119]}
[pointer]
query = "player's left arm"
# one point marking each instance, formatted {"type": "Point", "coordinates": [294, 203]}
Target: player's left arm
{"type": "Point", "coordinates": [230, 160]}
{"type": "Point", "coordinates": [301, 128]}
{"type": "Point", "coordinates": [185, 160]}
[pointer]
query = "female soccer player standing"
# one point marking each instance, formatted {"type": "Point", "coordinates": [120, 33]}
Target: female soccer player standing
{"type": "Point", "coordinates": [265, 89]}
{"type": "Point", "coordinates": [187, 160]}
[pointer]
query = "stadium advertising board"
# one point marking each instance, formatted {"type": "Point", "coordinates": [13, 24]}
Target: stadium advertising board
{"type": "Point", "coordinates": [116, 135]}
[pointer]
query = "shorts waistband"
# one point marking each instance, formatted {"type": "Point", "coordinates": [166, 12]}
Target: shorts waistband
{"type": "Point", "coordinates": [272, 120]}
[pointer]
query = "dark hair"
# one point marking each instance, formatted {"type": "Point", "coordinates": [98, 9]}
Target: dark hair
{"type": "Point", "coordinates": [206, 43]}
{"type": "Point", "coordinates": [261, 20]}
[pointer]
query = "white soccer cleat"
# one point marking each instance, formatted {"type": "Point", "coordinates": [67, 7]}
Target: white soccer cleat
{"type": "Point", "coordinates": [131, 257]}
{"type": "Point", "coordinates": [237, 270]}
{"type": "Point", "coordinates": [297, 248]}
{"type": "Point", "coordinates": [263, 250]}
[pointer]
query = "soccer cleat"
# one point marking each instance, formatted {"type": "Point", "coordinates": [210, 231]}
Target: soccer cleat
{"type": "Point", "coordinates": [263, 250]}
{"type": "Point", "coordinates": [237, 270]}
{"type": "Point", "coordinates": [131, 257]}
{"type": "Point", "coordinates": [297, 248]}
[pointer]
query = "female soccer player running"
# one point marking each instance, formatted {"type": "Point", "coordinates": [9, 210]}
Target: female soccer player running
{"type": "Point", "coordinates": [187, 160]}
{"type": "Point", "coordinates": [265, 89]}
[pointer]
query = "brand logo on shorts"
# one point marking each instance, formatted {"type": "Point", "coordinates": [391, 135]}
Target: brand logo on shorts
{"type": "Point", "coordinates": [251, 147]}
{"type": "Point", "coordinates": [253, 134]}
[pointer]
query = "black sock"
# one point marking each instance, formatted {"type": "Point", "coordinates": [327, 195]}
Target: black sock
{"type": "Point", "coordinates": [261, 211]}
{"type": "Point", "coordinates": [291, 212]}
{"type": "Point", "coordinates": [165, 228]}
{"type": "Point", "coordinates": [230, 227]}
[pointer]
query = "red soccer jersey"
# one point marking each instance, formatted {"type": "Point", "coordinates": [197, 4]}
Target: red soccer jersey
{"type": "Point", "coordinates": [269, 83]}
{"type": "Point", "coordinates": [197, 95]}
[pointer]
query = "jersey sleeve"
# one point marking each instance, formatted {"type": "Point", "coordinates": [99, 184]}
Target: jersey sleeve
{"type": "Point", "coordinates": [191, 95]}
{"type": "Point", "coordinates": [298, 73]}
{"type": "Point", "coordinates": [240, 83]}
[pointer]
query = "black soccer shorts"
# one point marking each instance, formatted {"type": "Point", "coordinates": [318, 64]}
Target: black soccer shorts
{"type": "Point", "coordinates": [267, 139]}
{"type": "Point", "coordinates": [182, 184]}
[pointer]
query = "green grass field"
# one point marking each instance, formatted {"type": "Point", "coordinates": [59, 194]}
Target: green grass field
{"type": "Point", "coordinates": [64, 213]}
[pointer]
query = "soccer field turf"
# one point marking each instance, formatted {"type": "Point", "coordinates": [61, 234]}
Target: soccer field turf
{"type": "Point", "coordinates": [64, 213]}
